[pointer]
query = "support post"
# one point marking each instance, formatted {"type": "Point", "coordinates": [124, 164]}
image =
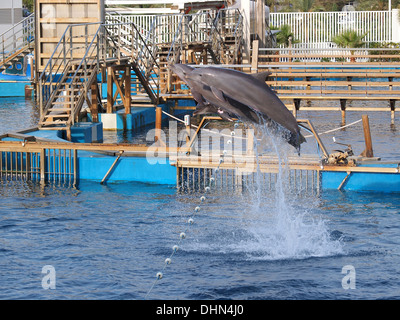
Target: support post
{"type": "Point", "coordinates": [68, 132]}
{"type": "Point", "coordinates": [158, 124]}
{"type": "Point", "coordinates": [343, 110]}
{"type": "Point", "coordinates": [260, 18]}
{"type": "Point", "coordinates": [368, 152]}
{"type": "Point", "coordinates": [93, 104]}
{"type": "Point", "coordinates": [42, 166]}
{"type": "Point", "coordinates": [296, 104]}
{"type": "Point", "coordinates": [187, 125]}
{"type": "Point", "coordinates": [250, 141]}
{"type": "Point", "coordinates": [254, 57]}
{"type": "Point", "coordinates": [110, 97]}
{"type": "Point", "coordinates": [392, 110]}
{"type": "Point", "coordinates": [112, 167]}
{"type": "Point", "coordinates": [127, 102]}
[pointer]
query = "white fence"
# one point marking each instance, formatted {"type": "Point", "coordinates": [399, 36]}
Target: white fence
{"type": "Point", "coordinates": [318, 28]}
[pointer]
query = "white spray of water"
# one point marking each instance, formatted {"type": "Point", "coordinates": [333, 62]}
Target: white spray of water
{"type": "Point", "coordinates": [268, 224]}
{"type": "Point", "coordinates": [281, 224]}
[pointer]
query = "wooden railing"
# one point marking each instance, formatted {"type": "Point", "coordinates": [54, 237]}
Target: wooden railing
{"type": "Point", "coordinates": [336, 74]}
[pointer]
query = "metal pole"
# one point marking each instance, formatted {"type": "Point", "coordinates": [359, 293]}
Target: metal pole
{"type": "Point", "coordinates": [112, 166]}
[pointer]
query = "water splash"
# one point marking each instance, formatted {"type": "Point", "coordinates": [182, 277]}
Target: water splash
{"type": "Point", "coordinates": [269, 224]}
{"type": "Point", "coordinates": [283, 224]}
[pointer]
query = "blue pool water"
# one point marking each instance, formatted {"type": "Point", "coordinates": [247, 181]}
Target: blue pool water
{"type": "Point", "coordinates": [109, 241]}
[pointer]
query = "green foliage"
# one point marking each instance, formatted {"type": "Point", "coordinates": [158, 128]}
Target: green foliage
{"type": "Point", "coordinates": [284, 35]}
{"type": "Point", "coordinates": [385, 45]}
{"type": "Point", "coordinates": [349, 39]}
{"type": "Point", "coordinates": [305, 5]}
{"type": "Point", "coordinates": [366, 5]}
{"type": "Point", "coordinates": [28, 4]}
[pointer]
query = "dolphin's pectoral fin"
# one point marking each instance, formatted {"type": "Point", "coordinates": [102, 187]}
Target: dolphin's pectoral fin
{"type": "Point", "coordinates": [218, 94]}
{"type": "Point", "coordinates": [197, 96]}
{"type": "Point", "coordinates": [204, 109]}
{"type": "Point", "coordinates": [224, 115]}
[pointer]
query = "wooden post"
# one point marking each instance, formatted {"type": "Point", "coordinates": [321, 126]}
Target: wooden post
{"type": "Point", "coordinates": [254, 57]}
{"type": "Point", "coordinates": [343, 110]}
{"type": "Point", "coordinates": [260, 18]}
{"type": "Point", "coordinates": [69, 136]}
{"type": "Point", "coordinates": [250, 141]}
{"type": "Point", "coordinates": [93, 105]}
{"type": "Point", "coordinates": [158, 124]}
{"type": "Point", "coordinates": [42, 166]}
{"type": "Point", "coordinates": [392, 110]}
{"type": "Point", "coordinates": [368, 152]}
{"type": "Point", "coordinates": [187, 125]}
{"type": "Point", "coordinates": [110, 97]}
{"type": "Point", "coordinates": [127, 102]}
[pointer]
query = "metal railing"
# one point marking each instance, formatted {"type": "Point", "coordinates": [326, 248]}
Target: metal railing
{"type": "Point", "coordinates": [126, 40]}
{"type": "Point", "coordinates": [45, 165]}
{"type": "Point", "coordinates": [98, 44]}
{"type": "Point", "coordinates": [71, 47]}
{"type": "Point", "coordinates": [208, 26]}
{"type": "Point", "coordinates": [19, 36]}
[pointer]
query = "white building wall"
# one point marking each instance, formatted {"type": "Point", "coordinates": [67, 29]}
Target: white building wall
{"type": "Point", "coordinates": [10, 13]}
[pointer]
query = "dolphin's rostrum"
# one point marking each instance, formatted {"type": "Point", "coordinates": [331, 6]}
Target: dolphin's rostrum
{"type": "Point", "coordinates": [234, 94]}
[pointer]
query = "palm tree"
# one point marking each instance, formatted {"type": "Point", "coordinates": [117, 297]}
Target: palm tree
{"type": "Point", "coordinates": [305, 5]}
{"type": "Point", "coordinates": [285, 36]}
{"type": "Point", "coordinates": [350, 39]}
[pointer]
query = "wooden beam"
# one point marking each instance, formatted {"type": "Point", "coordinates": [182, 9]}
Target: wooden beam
{"type": "Point", "coordinates": [368, 151]}
{"type": "Point", "coordinates": [254, 57]}
{"type": "Point", "coordinates": [127, 98]}
{"type": "Point", "coordinates": [93, 105]}
{"type": "Point", "coordinates": [260, 20]}
{"type": "Point", "coordinates": [110, 97]}
{"type": "Point", "coordinates": [158, 124]}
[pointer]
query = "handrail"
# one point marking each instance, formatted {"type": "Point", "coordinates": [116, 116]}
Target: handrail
{"type": "Point", "coordinates": [56, 66]}
{"type": "Point", "coordinates": [178, 30]}
{"type": "Point", "coordinates": [145, 59]}
{"type": "Point", "coordinates": [62, 40]}
{"type": "Point", "coordinates": [11, 38]}
{"type": "Point", "coordinates": [96, 46]}
{"type": "Point", "coordinates": [129, 42]}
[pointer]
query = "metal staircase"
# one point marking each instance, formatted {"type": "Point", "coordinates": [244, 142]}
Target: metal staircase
{"type": "Point", "coordinates": [70, 77]}
{"type": "Point", "coordinates": [129, 42]}
{"type": "Point", "coordinates": [67, 80]}
{"type": "Point", "coordinates": [17, 42]}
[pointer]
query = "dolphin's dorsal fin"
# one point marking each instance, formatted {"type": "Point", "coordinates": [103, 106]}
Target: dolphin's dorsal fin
{"type": "Point", "coordinates": [262, 76]}
{"type": "Point", "coordinates": [218, 94]}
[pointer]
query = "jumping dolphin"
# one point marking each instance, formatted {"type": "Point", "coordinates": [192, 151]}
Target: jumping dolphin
{"type": "Point", "coordinates": [238, 94]}
{"type": "Point", "coordinates": [207, 102]}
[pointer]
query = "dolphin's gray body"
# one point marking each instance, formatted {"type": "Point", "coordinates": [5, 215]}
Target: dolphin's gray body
{"type": "Point", "coordinates": [206, 100]}
{"type": "Point", "coordinates": [234, 93]}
